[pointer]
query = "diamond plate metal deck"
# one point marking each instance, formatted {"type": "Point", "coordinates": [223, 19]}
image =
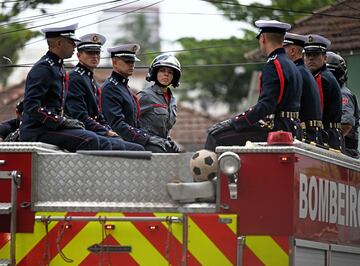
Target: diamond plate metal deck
{"type": "Point", "coordinates": [78, 182]}
{"type": "Point", "coordinates": [27, 147]}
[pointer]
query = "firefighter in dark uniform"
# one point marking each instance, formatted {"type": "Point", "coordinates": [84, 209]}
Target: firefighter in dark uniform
{"type": "Point", "coordinates": [43, 118]}
{"type": "Point", "coordinates": [9, 129]}
{"type": "Point", "coordinates": [310, 109]}
{"type": "Point", "coordinates": [120, 106]}
{"type": "Point", "coordinates": [157, 103]}
{"type": "Point", "coordinates": [82, 93]}
{"type": "Point", "coordinates": [329, 89]}
{"type": "Point", "coordinates": [279, 99]}
{"type": "Point", "coordinates": [350, 109]}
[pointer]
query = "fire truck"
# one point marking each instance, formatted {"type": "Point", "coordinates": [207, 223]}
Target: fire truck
{"type": "Point", "coordinates": [276, 203]}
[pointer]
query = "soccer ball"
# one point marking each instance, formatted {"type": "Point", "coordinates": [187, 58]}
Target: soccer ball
{"type": "Point", "coordinates": [203, 165]}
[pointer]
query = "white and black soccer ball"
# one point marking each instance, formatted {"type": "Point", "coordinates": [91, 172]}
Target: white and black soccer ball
{"type": "Point", "coordinates": [204, 165]}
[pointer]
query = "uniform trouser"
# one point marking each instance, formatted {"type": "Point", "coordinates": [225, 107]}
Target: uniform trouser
{"type": "Point", "coordinates": [230, 137]}
{"type": "Point", "coordinates": [120, 144]}
{"type": "Point", "coordinates": [74, 139]}
{"type": "Point", "coordinates": [333, 137]}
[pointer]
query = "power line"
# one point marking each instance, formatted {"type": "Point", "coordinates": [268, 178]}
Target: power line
{"type": "Point", "coordinates": [125, 13]}
{"type": "Point", "coordinates": [34, 18]}
{"type": "Point", "coordinates": [47, 24]}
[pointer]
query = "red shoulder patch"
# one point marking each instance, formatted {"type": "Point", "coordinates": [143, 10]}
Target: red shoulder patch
{"type": "Point", "coordinates": [344, 100]}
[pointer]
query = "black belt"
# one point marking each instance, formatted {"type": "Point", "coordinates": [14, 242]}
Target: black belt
{"type": "Point", "coordinates": [332, 125]}
{"type": "Point", "coordinates": [285, 114]}
{"type": "Point", "coordinates": [312, 123]}
{"type": "Point", "coordinates": [54, 109]}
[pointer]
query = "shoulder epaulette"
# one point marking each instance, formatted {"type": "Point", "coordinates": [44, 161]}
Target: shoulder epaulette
{"type": "Point", "coordinates": [80, 70]}
{"type": "Point", "coordinates": [114, 81]}
{"type": "Point", "coordinates": [272, 58]}
{"type": "Point", "coordinates": [50, 61]}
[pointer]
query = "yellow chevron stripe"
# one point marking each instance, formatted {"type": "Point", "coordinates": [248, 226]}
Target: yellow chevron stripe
{"type": "Point", "coordinates": [267, 250]}
{"type": "Point", "coordinates": [176, 228]}
{"type": "Point", "coordinates": [143, 252]}
{"type": "Point", "coordinates": [76, 249]}
{"type": "Point", "coordinates": [233, 223]}
{"type": "Point", "coordinates": [28, 240]}
{"type": "Point", "coordinates": [125, 233]}
{"type": "Point", "coordinates": [203, 249]}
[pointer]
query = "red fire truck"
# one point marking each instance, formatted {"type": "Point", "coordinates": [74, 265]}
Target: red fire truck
{"type": "Point", "coordinates": [293, 204]}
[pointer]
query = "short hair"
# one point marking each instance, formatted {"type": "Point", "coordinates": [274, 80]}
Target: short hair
{"type": "Point", "coordinates": [276, 38]}
{"type": "Point", "coordinates": [51, 41]}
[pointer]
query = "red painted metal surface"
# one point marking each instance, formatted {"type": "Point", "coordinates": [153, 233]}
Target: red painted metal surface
{"type": "Point", "coordinates": [280, 194]}
{"type": "Point", "coordinates": [25, 217]}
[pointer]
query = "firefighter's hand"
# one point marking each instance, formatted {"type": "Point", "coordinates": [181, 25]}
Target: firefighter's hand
{"type": "Point", "coordinates": [157, 141]}
{"type": "Point", "coordinates": [72, 123]}
{"type": "Point", "coordinates": [172, 145]}
{"type": "Point", "coordinates": [220, 127]}
{"type": "Point", "coordinates": [1, 139]}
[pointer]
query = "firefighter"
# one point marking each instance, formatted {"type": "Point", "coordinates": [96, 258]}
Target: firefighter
{"type": "Point", "coordinates": [83, 93]}
{"type": "Point", "coordinates": [157, 103]}
{"type": "Point", "coordinates": [310, 109]}
{"type": "Point", "coordinates": [329, 89]}
{"type": "Point", "coordinates": [279, 99]}
{"type": "Point", "coordinates": [43, 118]}
{"type": "Point", "coordinates": [9, 129]}
{"type": "Point", "coordinates": [350, 109]}
{"type": "Point", "coordinates": [120, 106]}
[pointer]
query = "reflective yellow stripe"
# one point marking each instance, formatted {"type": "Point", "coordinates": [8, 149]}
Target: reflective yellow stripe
{"type": "Point", "coordinates": [143, 252]}
{"type": "Point", "coordinates": [203, 249]}
{"type": "Point", "coordinates": [267, 250]}
{"type": "Point", "coordinates": [76, 249]}
{"type": "Point", "coordinates": [176, 228]}
{"type": "Point", "coordinates": [233, 223]}
{"type": "Point", "coordinates": [28, 240]}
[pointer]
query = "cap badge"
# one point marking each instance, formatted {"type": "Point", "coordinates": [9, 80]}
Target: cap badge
{"type": "Point", "coordinates": [95, 38]}
{"type": "Point", "coordinates": [311, 39]}
{"type": "Point", "coordinates": [134, 48]}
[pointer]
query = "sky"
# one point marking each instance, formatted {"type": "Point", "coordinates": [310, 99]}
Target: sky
{"type": "Point", "coordinates": [179, 18]}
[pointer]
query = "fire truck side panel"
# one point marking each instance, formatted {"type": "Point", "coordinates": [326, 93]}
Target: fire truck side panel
{"type": "Point", "coordinates": [326, 204]}
{"type": "Point", "coordinates": [265, 190]}
{"type": "Point", "coordinates": [211, 241]}
{"type": "Point", "coordinates": [21, 162]}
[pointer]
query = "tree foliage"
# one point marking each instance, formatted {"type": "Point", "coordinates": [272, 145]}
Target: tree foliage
{"type": "Point", "coordinates": [282, 10]}
{"type": "Point", "coordinates": [14, 34]}
{"type": "Point", "coordinates": [223, 83]}
{"type": "Point", "coordinates": [217, 71]}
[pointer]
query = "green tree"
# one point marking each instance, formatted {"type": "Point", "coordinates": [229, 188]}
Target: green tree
{"type": "Point", "coordinates": [14, 34]}
{"type": "Point", "coordinates": [140, 30]}
{"type": "Point", "coordinates": [217, 72]}
{"type": "Point", "coordinates": [283, 10]}
{"type": "Point", "coordinates": [222, 81]}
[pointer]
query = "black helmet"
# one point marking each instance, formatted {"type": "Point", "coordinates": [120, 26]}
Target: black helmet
{"type": "Point", "coordinates": [165, 60]}
{"type": "Point", "coordinates": [337, 65]}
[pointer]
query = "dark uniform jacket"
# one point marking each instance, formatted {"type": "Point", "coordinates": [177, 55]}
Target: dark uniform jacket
{"type": "Point", "coordinates": [350, 115]}
{"type": "Point", "coordinates": [330, 95]}
{"type": "Point", "coordinates": [121, 109]}
{"type": "Point", "coordinates": [280, 91]}
{"type": "Point", "coordinates": [44, 94]}
{"type": "Point", "coordinates": [310, 108]}
{"type": "Point", "coordinates": [83, 100]}
{"type": "Point", "coordinates": [158, 115]}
